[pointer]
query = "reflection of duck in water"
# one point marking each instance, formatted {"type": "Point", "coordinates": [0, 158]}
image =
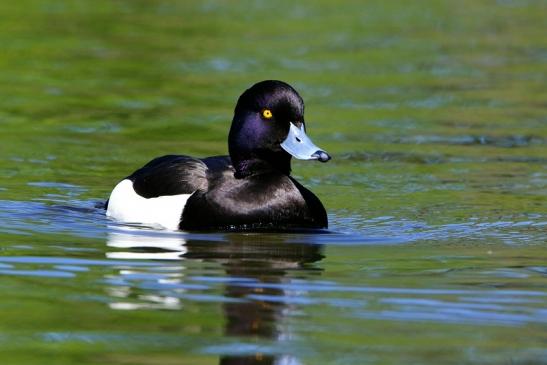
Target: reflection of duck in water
{"type": "Point", "coordinates": [255, 266]}
{"type": "Point", "coordinates": [250, 189]}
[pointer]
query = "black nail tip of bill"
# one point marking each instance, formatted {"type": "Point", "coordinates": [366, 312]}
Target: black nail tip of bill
{"type": "Point", "coordinates": [322, 156]}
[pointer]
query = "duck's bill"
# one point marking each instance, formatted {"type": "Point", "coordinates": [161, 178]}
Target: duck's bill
{"type": "Point", "coordinates": [299, 145]}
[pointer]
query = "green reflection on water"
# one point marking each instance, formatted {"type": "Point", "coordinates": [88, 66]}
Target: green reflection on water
{"type": "Point", "coordinates": [434, 112]}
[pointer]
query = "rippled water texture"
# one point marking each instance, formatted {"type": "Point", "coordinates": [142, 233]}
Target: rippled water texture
{"type": "Point", "coordinates": [434, 112]}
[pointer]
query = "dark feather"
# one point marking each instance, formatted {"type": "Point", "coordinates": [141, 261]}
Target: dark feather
{"type": "Point", "coordinates": [265, 201]}
{"type": "Point", "coordinates": [170, 175]}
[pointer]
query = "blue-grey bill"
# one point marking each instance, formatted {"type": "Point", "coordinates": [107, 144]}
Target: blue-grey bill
{"type": "Point", "coordinates": [299, 145]}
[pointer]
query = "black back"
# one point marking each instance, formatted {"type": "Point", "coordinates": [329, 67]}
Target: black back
{"type": "Point", "coordinates": [170, 175]}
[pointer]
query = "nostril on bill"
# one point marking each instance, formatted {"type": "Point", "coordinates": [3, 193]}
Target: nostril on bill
{"type": "Point", "coordinates": [298, 139]}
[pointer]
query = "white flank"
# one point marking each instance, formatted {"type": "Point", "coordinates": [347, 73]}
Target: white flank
{"type": "Point", "coordinates": [127, 206]}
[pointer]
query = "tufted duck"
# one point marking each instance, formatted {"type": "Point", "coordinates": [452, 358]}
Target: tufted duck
{"type": "Point", "coordinates": [249, 190]}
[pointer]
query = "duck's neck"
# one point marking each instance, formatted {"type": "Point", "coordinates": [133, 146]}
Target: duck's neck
{"type": "Point", "coordinates": [280, 163]}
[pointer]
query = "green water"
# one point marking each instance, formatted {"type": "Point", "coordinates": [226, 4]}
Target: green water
{"type": "Point", "coordinates": [434, 112]}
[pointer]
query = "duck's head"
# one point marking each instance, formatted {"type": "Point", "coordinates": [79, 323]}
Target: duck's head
{"type": "Point", "coordinates": [268, 128]}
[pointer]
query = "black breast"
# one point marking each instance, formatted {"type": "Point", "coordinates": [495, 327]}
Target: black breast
{"type": "Point", "coordinates": [269, 201]}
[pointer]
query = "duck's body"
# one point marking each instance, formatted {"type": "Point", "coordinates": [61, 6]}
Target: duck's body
{"type": "Point", "coordinates": [249, 190]}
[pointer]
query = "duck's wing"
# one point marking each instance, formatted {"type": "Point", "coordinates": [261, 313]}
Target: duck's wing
{"type": "Point", "coordinates": [170, 175]}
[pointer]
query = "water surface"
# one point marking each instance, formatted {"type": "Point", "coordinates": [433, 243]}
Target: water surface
{"type": "Point", "coordinates": [434, 113]}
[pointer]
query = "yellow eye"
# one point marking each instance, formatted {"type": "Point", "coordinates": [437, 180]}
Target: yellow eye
{"type": "Point", "coordinates": [267, 113]}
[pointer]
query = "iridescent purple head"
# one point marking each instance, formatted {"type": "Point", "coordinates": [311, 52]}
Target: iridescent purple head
{"type": "Point", "coordinates": [268, 128]}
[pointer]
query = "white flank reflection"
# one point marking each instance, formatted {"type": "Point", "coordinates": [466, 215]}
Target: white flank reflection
{"type": "Point", "coordinates": [159, 245]}
{"type": "Point", "coordinates": [138, 243]}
